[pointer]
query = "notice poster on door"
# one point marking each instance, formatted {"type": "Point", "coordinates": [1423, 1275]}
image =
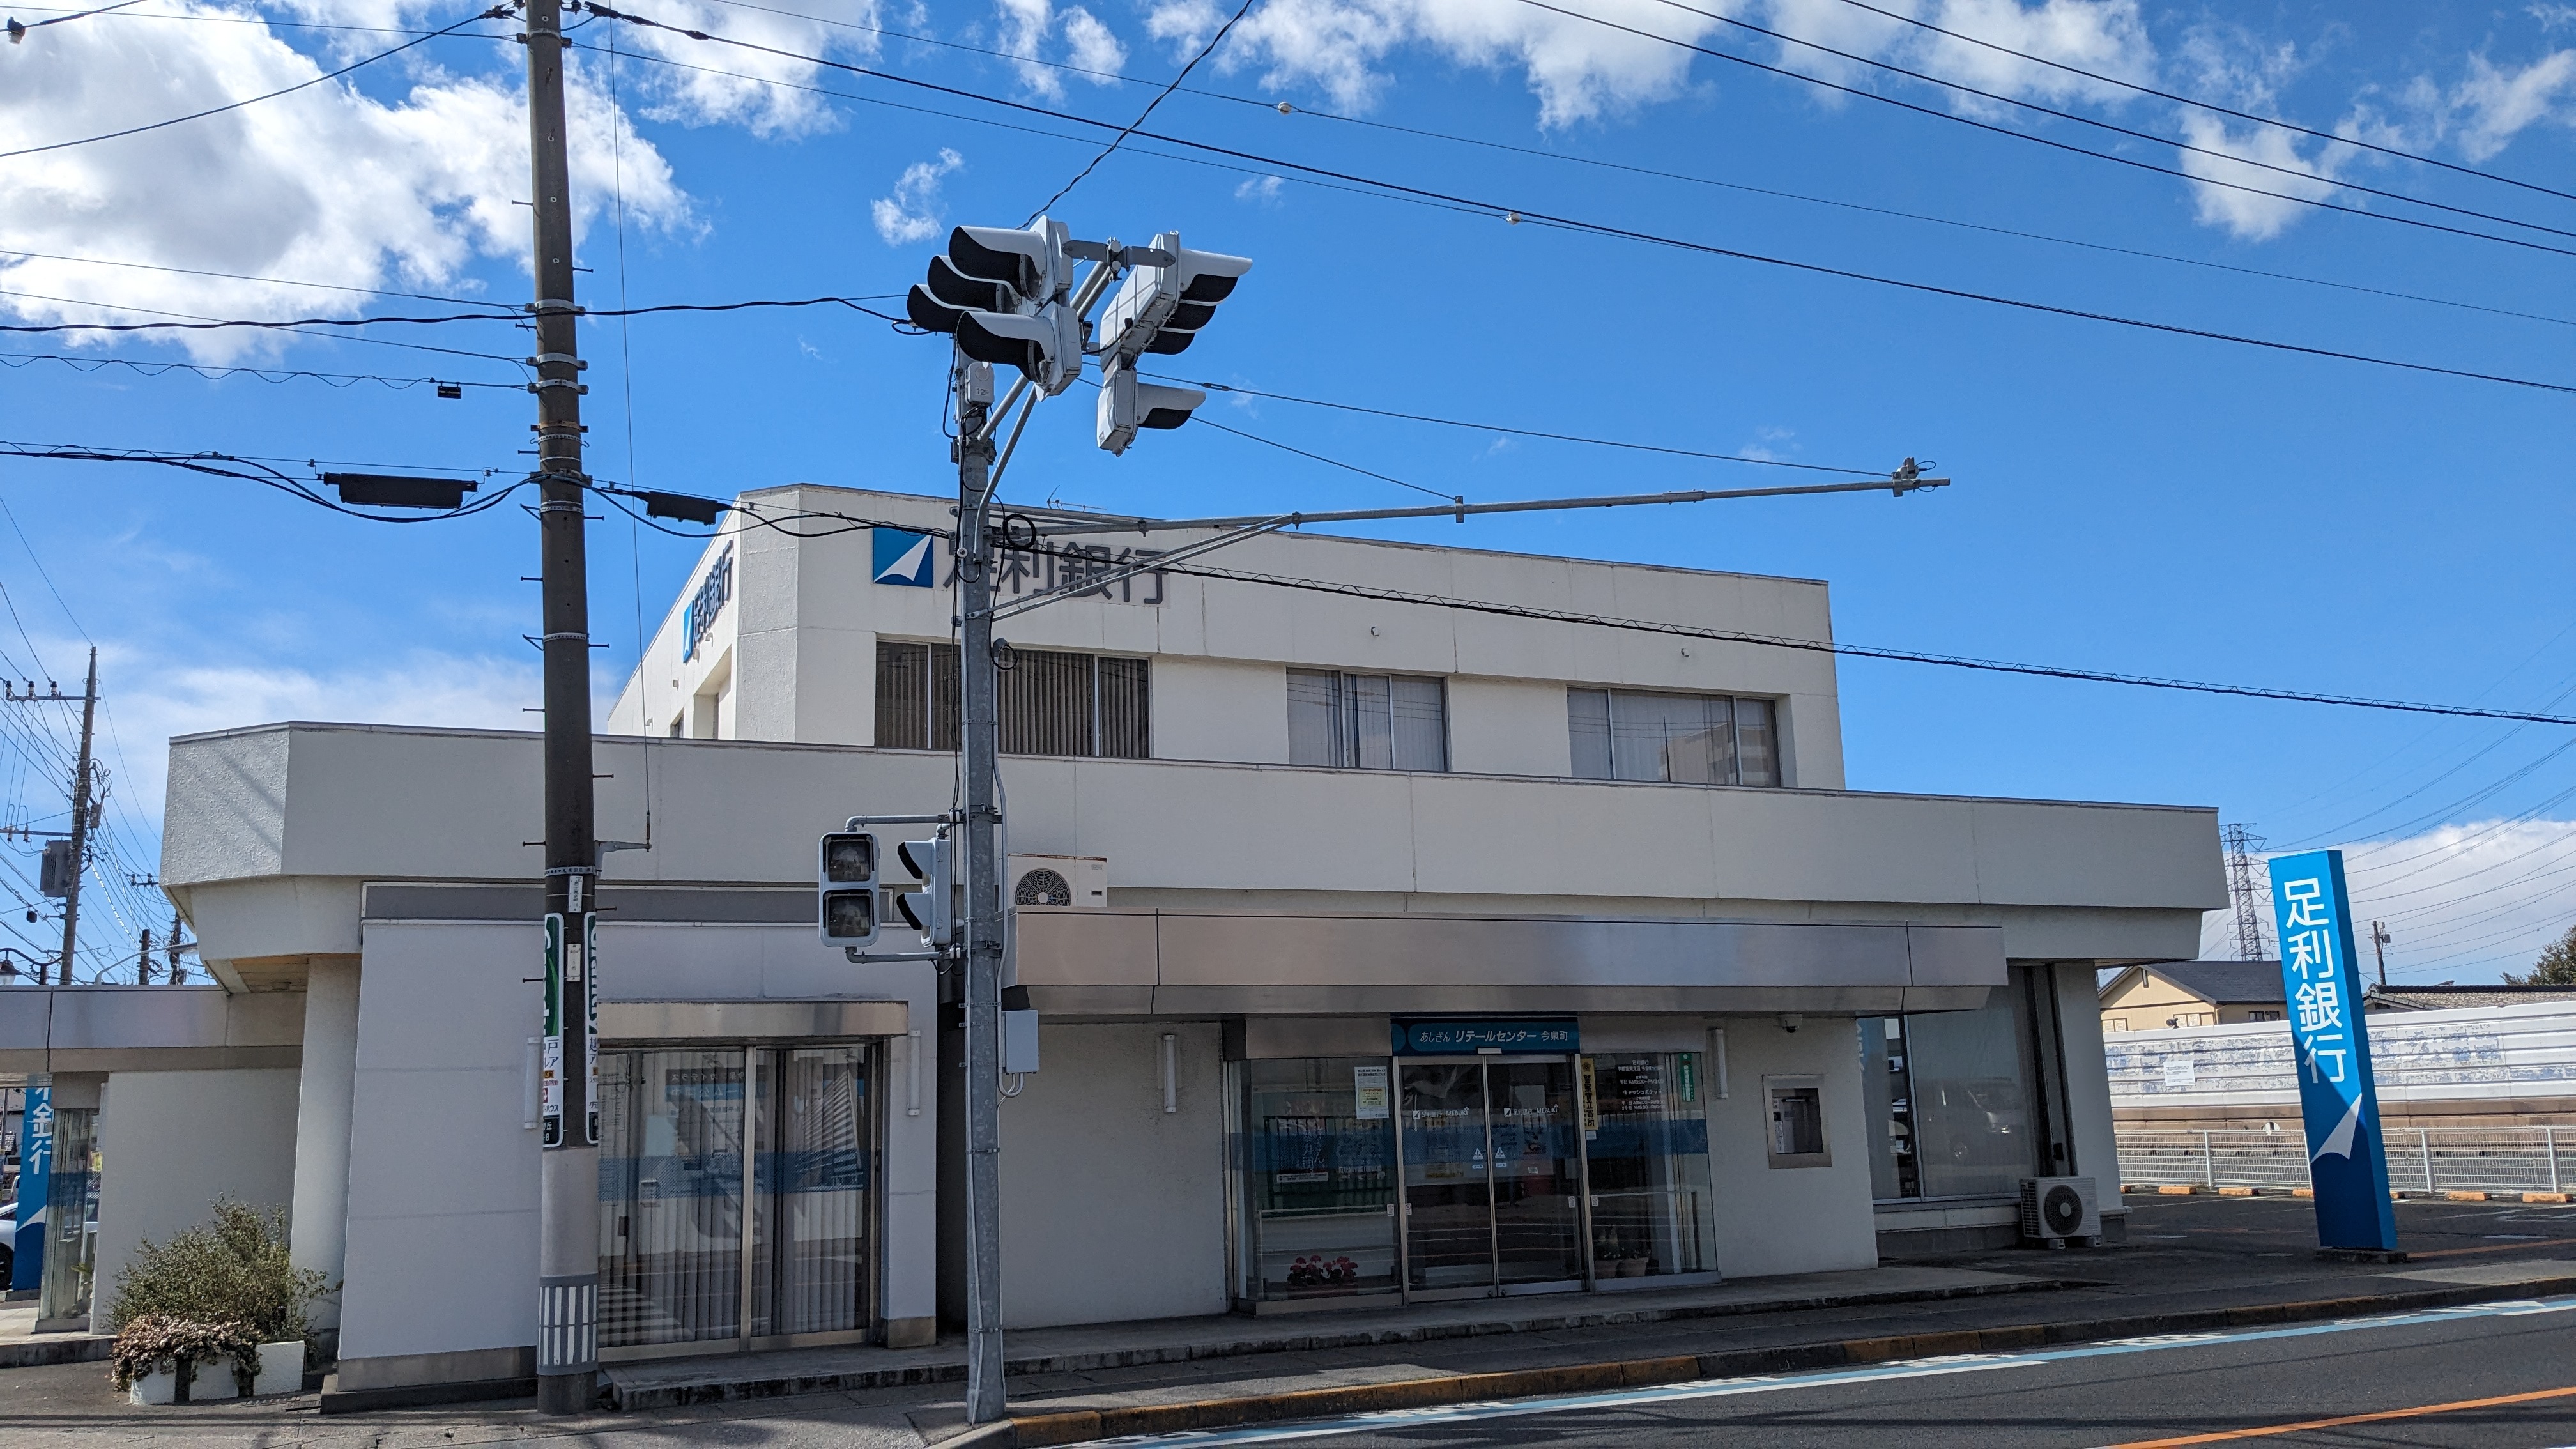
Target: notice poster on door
{"type": "Point", "coordinates": [1368, 1094]}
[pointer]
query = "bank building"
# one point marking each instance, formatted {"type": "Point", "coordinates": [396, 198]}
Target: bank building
{"type": "Point", "coordinates": [1382, 952]}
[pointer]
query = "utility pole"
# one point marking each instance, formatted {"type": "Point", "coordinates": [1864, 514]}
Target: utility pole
{"type": "Point", "coordinates": [568, 1171]}
{"type": "Point", "coordinates": [979, 736]}
{"type": "Point", "coordinates": [2379, 939]}
{"type": "Point", "coordinates": [172, 946]}
{"type": "Point", "coordinates": [2242, 890]}
{"type": "Point", "coordinates": [143, 959]}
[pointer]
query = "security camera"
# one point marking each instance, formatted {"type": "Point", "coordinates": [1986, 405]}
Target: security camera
{"type": "Point", "coordinates": [1790, 1021]}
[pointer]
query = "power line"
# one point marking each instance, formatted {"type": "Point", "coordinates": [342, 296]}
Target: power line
{"type": "Point", "coordinates": [497, 12]}
{"type": "Point", "coordinates": [291, 324]}
{"type": "Point", "coordinates": [1141, 117]}
{"type": "Point", "coordinates": [195, 317]}
{"type": "Point", "coordinates": [264, 374]}
{"type": "Point", "coordinates": [2035, 107]}
{"type": "Point", "coordinates": [243, 276]}
{"type": "Point", "coordinates": [2213, 107]}
{"type": "Point", "coordinates": [1509, 213]}
{"type": "Point", "coordinates": [1502, 428]}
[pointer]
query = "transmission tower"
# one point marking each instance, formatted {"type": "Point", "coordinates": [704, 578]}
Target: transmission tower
{"type": "Point", "coordinates": [2246, 880]}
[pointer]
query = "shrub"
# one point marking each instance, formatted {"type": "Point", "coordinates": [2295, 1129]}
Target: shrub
{"type": "Point", "coordinates": [146, 1342]}
{"type": "Point", "coordinates": [233, 1270]}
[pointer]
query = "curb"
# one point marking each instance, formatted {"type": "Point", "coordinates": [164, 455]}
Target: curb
{"type": "Point", "coordinates": [56, 1348]}
{"type": "Point", "coordinates": [676, 1395]}
{"type": "Point", "coordinates": [1079, 1425]}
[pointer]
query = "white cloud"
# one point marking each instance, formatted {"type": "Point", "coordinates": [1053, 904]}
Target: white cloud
{"type": "Point", "coordinates": [912, 214]}
{"type": "Point", "coordinates": [2243, 212]}
{"type": "Point", "coordinates": [2497, 105]}
{"type": "Point", "coordinates": [1091, 44]}
{"type": "Point", "coordinates": [2462, 903]}
{"type": "Point", "coordinates": [1263, 190]}
{"type": "Point", "coordinates": [325, 185]}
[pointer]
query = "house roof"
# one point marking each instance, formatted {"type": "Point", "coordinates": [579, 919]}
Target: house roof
{"type": "Point", "coordinates": [2220, 983]}
{"type": "Point", "coordinates": [2447, 997]}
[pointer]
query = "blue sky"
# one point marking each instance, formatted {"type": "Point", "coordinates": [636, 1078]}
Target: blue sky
{"type": "Point", "coordinates": [2124, 500]}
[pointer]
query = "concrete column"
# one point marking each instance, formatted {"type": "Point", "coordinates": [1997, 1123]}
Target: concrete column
{"type": "Point", "coordinates": [323, 1104]}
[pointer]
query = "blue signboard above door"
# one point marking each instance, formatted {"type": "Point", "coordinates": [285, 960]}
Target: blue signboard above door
{"type": "Point", "coordinates": [1465, 1038]}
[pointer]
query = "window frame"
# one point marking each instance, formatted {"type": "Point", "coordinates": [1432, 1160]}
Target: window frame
{"type": "Point", "coordinates": [1345, 704]}
{"type": "Point", "coordinates": [1577, 696]}
{"type": "Point", "coordinates": [933, 673]}
{"type": "Point", "coordinates": [1774, 1089]}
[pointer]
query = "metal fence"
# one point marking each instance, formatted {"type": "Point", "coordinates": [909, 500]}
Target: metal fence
{"type": "Point", "coordinates": [2420, 1159]}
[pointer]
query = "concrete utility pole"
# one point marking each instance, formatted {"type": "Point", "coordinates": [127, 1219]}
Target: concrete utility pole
{"type": "Point", "coordinates": [979, 738]}
{"type": "Point", "coordinates": [172, 947]}
{"type": "Point", "coordinates": [2379, 939]}
{"type": "Point", "coordinates": [143, 959]}
{"type": "Point", "coordinates": [82, 770]}
{"type": "Point", "coordinates": [568, 1173]}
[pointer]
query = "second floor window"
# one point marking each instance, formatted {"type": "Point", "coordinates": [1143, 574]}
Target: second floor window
{"type": "Point", "coordinates": [1687, 739]}
{"type": "Point", "coordinates": [1366, 721]}
{"type": "Point", "coordinates": [1052, 702]}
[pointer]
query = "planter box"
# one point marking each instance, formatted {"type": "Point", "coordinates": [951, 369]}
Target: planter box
{"type": "Point", "coordinates": [210, 1380]}
{"type": "Point", "coordinates": [281, 1368]}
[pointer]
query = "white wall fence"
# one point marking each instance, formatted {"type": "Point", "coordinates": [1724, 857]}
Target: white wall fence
{"type": "Point", "coordinates": [2486, 1059]}
{"type": "Point", "coordinates": [2420, 1159]}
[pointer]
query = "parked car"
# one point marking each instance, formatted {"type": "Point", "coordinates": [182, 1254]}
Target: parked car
{"type": "Point", "coordinates": [8, 1239]}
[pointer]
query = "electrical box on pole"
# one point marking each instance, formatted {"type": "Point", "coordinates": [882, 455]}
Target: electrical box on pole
{"type": "Point", "coordinates": [54, 871]}
{"type": "Point", "coordinates": [845, 879]}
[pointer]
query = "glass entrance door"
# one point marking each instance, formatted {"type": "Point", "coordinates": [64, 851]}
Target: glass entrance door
{"type": "Point", "coordinates": [1493, 1174]}
{"type": "Point", "coordinates": [735, 1197]}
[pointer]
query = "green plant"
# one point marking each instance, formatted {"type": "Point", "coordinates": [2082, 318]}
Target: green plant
{"type": "Point", "coordinates": [148, 1341]}
{"type": "Point", "coordinates": [232, 1270]}
{"type": "Point", "coordinates": [2556, 966]}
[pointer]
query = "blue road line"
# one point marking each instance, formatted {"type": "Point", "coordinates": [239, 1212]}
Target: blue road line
{"type": "Point", "coordinates": [1830, 1378]}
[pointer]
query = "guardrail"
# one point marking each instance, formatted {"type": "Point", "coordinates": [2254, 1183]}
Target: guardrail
{"type": "Point", "coordinates": [2425, 1160]}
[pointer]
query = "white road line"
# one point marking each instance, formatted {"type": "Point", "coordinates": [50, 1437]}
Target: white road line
{"type": "Point", "coordinates": [1776, 1383]}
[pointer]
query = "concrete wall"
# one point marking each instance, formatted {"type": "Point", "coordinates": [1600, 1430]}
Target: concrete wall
{"type": "Point", "coordinates": [1774, 1220]}
{"type": "Point", "coordinates": [170, 1143]}
{"type": "Point", "coordinates": [442, 1233]}
{"type": "Point", "coordinates": [2088, 1092]}
{"type": "Point", "coordinates": [1113, 1209]}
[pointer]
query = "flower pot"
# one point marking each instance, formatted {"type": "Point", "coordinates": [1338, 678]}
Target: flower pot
{"type": "Point", "coordinates": [213, 1380]}
{"type": "Point", "coordinates": [161, 1386]}
{"type": "Point", "coordinates": [1633, 1267]}
{"type": "Point", "coordinates": [1604, 1268]}
{"type": "Point", "coordinates": [281, 1368]}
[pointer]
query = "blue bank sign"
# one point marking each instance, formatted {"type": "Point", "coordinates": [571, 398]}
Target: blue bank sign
{"type": "Point", "coordinates": [1464, 1038]}
{"type": "Point", "coordinates": [2331, 1051]}
{"type": "Point", "coordinates": [35, 1184]}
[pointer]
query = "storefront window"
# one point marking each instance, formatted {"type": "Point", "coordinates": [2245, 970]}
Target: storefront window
{"type": "Point", "coordinates": [1646, 1132]}
{"type": "Point", "coordinates": [1948, 1093]}
{"type": "Point", "coordinates": [1315, 1149]}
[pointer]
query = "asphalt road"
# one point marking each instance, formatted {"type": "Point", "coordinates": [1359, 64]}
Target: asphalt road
{"type": "Point", "coordinates": [2493, 1375]}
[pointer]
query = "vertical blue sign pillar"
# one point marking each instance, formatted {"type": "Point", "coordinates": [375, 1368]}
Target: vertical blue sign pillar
{"type": "Point", "coordinates": [35, 1184]}
{"type": "Point", "coordinates": [2331, 1052]}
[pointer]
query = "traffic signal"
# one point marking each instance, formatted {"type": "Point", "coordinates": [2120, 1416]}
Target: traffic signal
{"type": "Point", "coordinates": [1002, 293]}
{"type": "Point", "coordinates": [1161, 306]}
{"type": "Point", "coordinates": [846, 886]}
{"type": "Point", "coordinates": [930, 910]}
{"type": "Point", "coordinates": [1128, 402]}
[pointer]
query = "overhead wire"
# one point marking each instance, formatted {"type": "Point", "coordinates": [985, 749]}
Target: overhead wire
{"type": "Point", "coordinates": [1573, 224]}
{"type": "Point", "coordinates": [264, 374]}
{"type": "Point", "coordinates": [248, 277]}
{"type": "Point", "coordinates": [2036, 108]}
{"type": "Point", "coordinates": [497, 12]}
{"type": "Point", "coordinates": [1142, 116]}
{"type": "Point", "coordinates": [2337, 137]}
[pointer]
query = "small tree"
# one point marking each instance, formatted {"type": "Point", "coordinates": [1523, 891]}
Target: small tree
{"type": "Point", "coordinates": [2556, 966]}
{"type": "Point", "coordinates": [233, 1270]}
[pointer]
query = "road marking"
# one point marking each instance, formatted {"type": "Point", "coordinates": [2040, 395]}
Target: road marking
{"type": "Point", "coordinates": [2300, 1428]}
{"type": "Point", "coordinates": [1831, 1378]}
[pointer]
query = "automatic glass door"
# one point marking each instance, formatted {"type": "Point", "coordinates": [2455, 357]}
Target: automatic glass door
{"type": "Point", "coordinates": [1493, 1174]}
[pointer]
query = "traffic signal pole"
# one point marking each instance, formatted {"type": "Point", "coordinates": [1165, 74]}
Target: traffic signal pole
{"type": "Point", "coordinates": [568, 1163]}
{"type": "Point", "coordinates": [979, 740]}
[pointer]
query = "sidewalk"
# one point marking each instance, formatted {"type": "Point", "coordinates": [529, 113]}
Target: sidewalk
{"type": "Point", "coordinates": [2191, 1264]}
{"type": "Point", "coordinates": [21, 1346]}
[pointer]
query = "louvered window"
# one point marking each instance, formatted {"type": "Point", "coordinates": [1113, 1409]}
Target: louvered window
{"type": "Point", "coordinates": [1051, 702]}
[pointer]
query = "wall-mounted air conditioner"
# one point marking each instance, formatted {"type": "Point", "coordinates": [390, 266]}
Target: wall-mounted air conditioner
{"type": "Point", "coordinates": [1057, 882]}
{"type": "Point", "coordinates": [2057, 1209]}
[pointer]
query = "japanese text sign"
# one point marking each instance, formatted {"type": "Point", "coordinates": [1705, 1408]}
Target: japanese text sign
{"type": "Point", "coordinates": [35, 1184]}
{"type": "Point", "coordinates": [2331, 1049]}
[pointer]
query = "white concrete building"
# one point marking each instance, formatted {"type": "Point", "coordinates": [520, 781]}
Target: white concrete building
{"type": "Point", "coordinates": [1411, 951]}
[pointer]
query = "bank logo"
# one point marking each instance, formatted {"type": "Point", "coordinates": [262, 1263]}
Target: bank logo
{"type": "Point", "coordinates": [903, 558]}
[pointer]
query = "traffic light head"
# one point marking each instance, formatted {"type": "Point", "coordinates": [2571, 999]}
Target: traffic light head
{"type": "Point", "coordinates": [846, 889]}
{"type": "Point", "coordinates": [1128, 402]}
{"type": "Point", "coordinates": [931, 910]}
{"type": "Point", "coordinates": [1161, 306]}
{"type": "Point", "coordinates": [1030, 259]}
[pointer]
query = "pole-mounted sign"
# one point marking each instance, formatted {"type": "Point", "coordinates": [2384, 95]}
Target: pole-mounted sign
{"type": "Point", "coordinates": [2331, 1053]}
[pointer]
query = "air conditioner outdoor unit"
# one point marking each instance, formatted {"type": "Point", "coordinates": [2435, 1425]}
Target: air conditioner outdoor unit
{"type": "Point", "coordinates": [1058, 882]}
{"type": "Point", "coordinates": [2055, 1209]}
